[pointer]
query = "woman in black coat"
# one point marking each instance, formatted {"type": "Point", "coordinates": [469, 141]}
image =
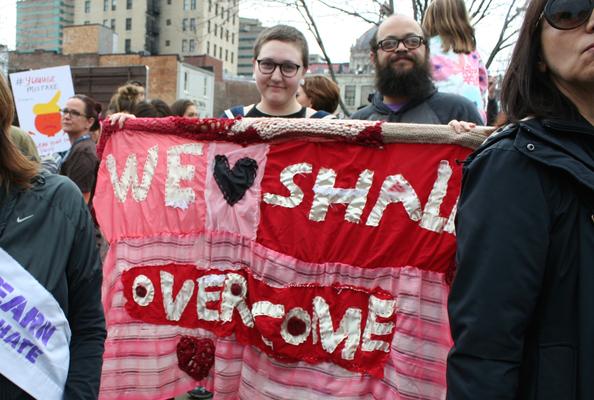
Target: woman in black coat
{"type": "Point", "coordinates": [522, 301]}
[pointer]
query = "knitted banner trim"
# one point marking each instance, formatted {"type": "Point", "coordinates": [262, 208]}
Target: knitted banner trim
{"type": "Point", "coordinates": [254, 130]}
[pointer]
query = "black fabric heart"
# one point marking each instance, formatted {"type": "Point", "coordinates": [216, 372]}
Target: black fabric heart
{"type": "Point", "coordinates": [234, 182]}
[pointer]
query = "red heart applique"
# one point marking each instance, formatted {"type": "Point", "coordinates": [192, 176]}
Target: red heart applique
{"type": "Point", "coordinates": [195, 356]}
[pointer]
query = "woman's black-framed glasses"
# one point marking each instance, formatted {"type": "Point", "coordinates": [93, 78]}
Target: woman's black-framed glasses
{"type": "Point", "coordinates": [287, 69]}
{"type": "Point", "coordinates": [410, 42]}
{"type": "Point", "coordinates": [72, 113]}
{"type": "Point", "coordinates": [567, 14]}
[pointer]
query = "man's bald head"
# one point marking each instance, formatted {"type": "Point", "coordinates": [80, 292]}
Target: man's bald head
{"type": "Point", "coordinates": [397, 26]}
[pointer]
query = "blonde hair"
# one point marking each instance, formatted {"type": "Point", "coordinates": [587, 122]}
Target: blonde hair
{"type": "Point", "coordinates": [125, 98]}
{"type": "Point", "coordinates": [449, 20]}
{"type": "Point", "coordinates": [15, 168]}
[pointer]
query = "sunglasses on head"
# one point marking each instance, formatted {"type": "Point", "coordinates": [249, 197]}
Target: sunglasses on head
{"type": "Point", "coordinates": [567, 14]}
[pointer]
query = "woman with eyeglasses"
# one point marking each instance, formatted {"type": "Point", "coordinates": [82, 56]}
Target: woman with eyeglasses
{"type": "Point", "coordinates": [280, 63]}
{"type": "Point", "coordinates": [522, 301]}
{"type": "Point", "coordinates": [80, 117]}
{"type": "Point", "coordinates": [457, 66]}
{"type": "Point", "coordinates": [52, 327]}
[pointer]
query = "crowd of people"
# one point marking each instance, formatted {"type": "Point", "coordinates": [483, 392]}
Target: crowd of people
{"type": "Point", "coordinates": [520, 301]}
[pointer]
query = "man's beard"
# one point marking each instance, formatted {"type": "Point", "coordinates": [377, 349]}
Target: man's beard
{"type": "Point", "coordinates": [413, 83]}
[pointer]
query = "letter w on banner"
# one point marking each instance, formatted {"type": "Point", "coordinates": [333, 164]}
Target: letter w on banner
{"type": "Point", "coordinates": [271, 258]}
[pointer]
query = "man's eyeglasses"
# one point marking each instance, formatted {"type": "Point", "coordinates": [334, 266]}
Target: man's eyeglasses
{"type": "Point", "coordinates": [287, 69]}
{"type": "Point", "coordinates": [72, 113]}
{"type": "Point", "coordinates": [567, 14]}
{"type": "Point", "coordinates": [410, 42]}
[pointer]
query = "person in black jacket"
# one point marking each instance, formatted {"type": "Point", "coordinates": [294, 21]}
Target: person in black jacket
{"type": "Point", "coordinates": [46, 244]}
{"type": "Point", "coordinates": [405, 89]}
{"type": "Point", "coordinates": [522, 302]}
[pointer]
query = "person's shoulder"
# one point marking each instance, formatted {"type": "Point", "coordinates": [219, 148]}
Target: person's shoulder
{"type": "Point", "coordinates": [453, 106]}
{"type": "Point", "coordinates": [363, 113]}
{"type": "Point", "coordinates": [502, 141]}
{"type": "Point", "coordinates": [311, 113]}
{"type": "Point", "coordinates": [55, 187]}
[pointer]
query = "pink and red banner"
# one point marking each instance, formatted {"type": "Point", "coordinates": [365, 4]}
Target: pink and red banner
{"type": "Point", "coordinates": [316, 265]}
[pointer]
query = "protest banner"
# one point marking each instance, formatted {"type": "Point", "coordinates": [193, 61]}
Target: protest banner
{"type": "Point", "coordinates": [39, 95]}
{"type": "Point", "coordinates": [274, 258]}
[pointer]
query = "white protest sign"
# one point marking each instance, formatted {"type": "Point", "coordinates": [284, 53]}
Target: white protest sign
{"type": "Point", "coordinates": [34, 333]}
{"type": "Point", "coordinates": [39, 95]}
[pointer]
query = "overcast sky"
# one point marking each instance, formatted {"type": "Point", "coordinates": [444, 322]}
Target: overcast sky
{"type": "Point", "coordinates": [338, 31]}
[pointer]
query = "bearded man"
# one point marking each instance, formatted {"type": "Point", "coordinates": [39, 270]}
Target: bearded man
{"type": "Point", "coordinates": [405, 90]}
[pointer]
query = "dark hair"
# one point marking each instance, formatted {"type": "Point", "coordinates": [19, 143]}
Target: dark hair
{"type": "Point", "coordinates": [15, 168]}
{"type": "Point", "coordinates": [162, 108]}
{"type": "Point", "coordinates": [287, 34]}
{"type": "Point", "coordinates": [92, 109]}
{"type": "Point", "coordinates": [151, 109]}
{"type": "Point", "coordinates": [449, 20]}
{"type": "Point", "coordinates": [323, 93]}
{"type": "Point", "coordinates": [180, 106]}
{"type": "Point", "coordinates": [144, 109]}
{"type": "Point", "coordinates": [527, 90]}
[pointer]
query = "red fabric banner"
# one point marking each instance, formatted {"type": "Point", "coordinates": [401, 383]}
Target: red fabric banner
{"type": "Point", "coordinates": [315, 267]}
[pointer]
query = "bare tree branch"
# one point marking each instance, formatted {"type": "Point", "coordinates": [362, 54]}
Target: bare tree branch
{"type": "Point", "coordinates": [352, 13]}
{"type": "Point", "coordinates": [312, 26]}
{"type": "Point", "coordinates": [513, 12]}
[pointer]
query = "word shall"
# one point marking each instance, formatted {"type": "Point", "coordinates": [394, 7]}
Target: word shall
{"type": "Point", "coordinates": [394, 189]}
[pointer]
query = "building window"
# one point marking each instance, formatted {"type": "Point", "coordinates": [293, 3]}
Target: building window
{"type": "Point", "coordinates": [217, 9]}
{"type": "Point", "coordinates": [87, 6]}
{"type": "Point", "coordinates": [207, 47]}
{"type": "Point", "coordinates": [128, 46]}
{"type": "Point", "coordinates": [349, 95]}
{"type": "Point", "coordinates": [208, 26]}
{"type": "Point", "coordinates": [105, 22]}
{"type": "Point", "coordinates": [220, 53]}
{"type": "Point", "coordinates": [193, 24]}
{"type": "Point", "coordinates": [184, 46]}
{"type": "Point", "coordinates": [209, 5]}
{"type": "Point", "coordinates": [227, 34]}
{"type": "Point", "coordinates": [226, 55]}
{"type": "Point", "coordinates": [221, 32]}
{"type": "Point", "coordinates": [128, 4]}
{"type": "Point", "coordinates": [113, 5]}
{"type": "Point", "coordinates": [216, 29]}
{"type": "Point", "coordinates": [232, 58]}
{"type": "Point", "coordinates": [192, 45]}
{"type": "Point", "coordinates": [168, 2]}
{"type": "Point", "coordinates": [193, 4]}
{"type": "Point", "coordinates": [128, 24]}
{"type": "Point", "coordinates": [186, 82]}
{"type": "Point", "coordinates": [186, 5]}
{"type": "Point", "coordinates": [87, 22]}
{"type": "Point", "coordinates": [185, 24]}
{"type": "Point", "coordinates": [222, 12]}
{"type": "Point", "coordinates": [167, 43]}
{"type": "Point", "coordinates": [233, 38]}
{"type": "Point", "coordinates": [214, 51]}
{"type": "Point", "coordinates": [112, 24]}
{"type": "Point", "coordinates": [105, 5]}
{"type": "Point", "coordinates": [168, 22]}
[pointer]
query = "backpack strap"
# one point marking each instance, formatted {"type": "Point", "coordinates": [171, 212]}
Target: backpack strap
{"type": "Point", "coordinates": [238, 111]}
{"type": "Point", "coordinates": [311, 113]}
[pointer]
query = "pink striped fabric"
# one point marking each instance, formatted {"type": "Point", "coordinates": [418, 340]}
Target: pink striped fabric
{"type": "Point", "coordinates": [140, 360]}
